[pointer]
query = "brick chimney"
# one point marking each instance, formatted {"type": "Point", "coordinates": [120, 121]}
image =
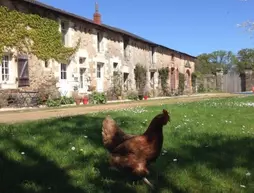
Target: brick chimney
{"type": "Point", "coordinates": [97, 15]}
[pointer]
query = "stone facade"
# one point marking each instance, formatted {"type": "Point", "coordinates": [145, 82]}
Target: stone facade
{"type": "Point", "coordinates": [102, 51]}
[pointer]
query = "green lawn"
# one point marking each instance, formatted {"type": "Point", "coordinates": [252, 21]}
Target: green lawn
{"type": "Point", "coordinates": [209, 147]}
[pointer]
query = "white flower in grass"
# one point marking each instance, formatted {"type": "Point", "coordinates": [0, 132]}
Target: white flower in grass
{"type": "Point", "coordinates": [22, 153]}
{"type": "Point", "coordinates": [85, 136]}
{"type": "Point", "coordinates": [248, 174]}
{"type": "Point", "coordinates": [73, 148]}
{"type": "Point", "coordinates": [242, 186]}
{"type": "Point", "coordinates": [175, 160]}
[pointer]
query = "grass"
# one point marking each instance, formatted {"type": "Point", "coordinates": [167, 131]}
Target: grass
{"type": "Point", "coordinates": [208, 147]}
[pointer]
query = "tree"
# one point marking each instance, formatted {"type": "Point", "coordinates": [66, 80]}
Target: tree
{"type": "Point", "coordinates": [203, 64]}
{"type": "Point", "coordinates": [248, 25]}
{"type": "Point", "coordinates": [245, 59]}
{"type": "Point", "coordinates": [222, 59]}
{"type": "Point", "coordinates": [208, 63]}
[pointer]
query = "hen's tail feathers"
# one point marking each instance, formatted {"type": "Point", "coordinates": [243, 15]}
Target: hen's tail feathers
{"type": "Point", "coordinates": [112, 135]}
{"type": "Point", "coordinates": [148, 183]}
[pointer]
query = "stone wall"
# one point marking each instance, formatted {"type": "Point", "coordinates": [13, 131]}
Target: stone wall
{"type": "Point", "coordinates": [231, 82]}
{"type": "Point", "coordinates": [112, 51]}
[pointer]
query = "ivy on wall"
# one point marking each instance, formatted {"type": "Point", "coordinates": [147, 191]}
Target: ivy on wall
{"type": "Point", "coordinates": [140, 77]}
{"type": "Point", "coordinates": [193, 79]}
{"type": "Point", "coordinates": [181, 83]}
{"type": "Point", "coordinates": [163, 75]}
{"type": "Point", "coordinates": [32, 34]}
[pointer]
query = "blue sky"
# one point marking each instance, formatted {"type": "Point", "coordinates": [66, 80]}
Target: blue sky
{"type": "Point", "coordinates": [191, 26]}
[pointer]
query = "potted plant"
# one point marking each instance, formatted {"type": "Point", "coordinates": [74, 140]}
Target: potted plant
{"type": "Point", "coordinates": [85, 100]}
{"type": "Point", "coordinates": [77, 98]}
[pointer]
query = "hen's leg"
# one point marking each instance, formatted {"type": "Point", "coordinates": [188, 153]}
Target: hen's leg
{"type": "Point", "coordinates": [141, 170]}
{"type": "Point", "coordinates": [148, 183]}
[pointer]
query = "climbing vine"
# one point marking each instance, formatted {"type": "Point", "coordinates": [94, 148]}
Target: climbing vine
{"type": "Point", "coordinates": [181, 83]}
{"type": "Point", "coordinates": [163, 75]}
{"type": "Point", "coordinates": [32, 34]}
{"type": "Point", "coordinates": [140, 77]}
{"type": "Point", "coordinates": [193, 79]}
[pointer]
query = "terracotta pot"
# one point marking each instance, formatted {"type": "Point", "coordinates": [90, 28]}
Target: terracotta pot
{"type": "Point", "coordinates": [77, 101]}
{"type": "Point", "coordinates": [85, 100]}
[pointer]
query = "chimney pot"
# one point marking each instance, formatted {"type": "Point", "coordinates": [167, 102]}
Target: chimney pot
{"type": "Point", "coordinates": [97, 15]}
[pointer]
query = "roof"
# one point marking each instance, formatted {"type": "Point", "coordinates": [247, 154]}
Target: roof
{"type": "Point", "coordinates": [114, 29]}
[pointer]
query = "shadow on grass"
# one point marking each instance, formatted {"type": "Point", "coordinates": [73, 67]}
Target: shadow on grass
{"type": "Point", "coordinates": [40, 173]}
{"type": "Point", "coordinates": [35, 172]}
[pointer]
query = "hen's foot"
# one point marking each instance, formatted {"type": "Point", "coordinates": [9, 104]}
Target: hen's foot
{"type": "Point", "coordinates": [148, 183]}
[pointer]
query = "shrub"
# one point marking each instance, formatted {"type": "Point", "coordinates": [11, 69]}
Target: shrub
{"type": "Point", "coordinates": [3, 100]}
{"type": "Point", "coordinates": [53, 103]}
{"type": "Point", "coordinates": [97, 98]}
{"type": "Point", "coordinates": [66, 100]}
{"type": "Point", "coordinates": [59, 101]}
{"type": "Point", "coordinates": [132, 95]}
{"type": "Point", "coordinates": [201, 87]}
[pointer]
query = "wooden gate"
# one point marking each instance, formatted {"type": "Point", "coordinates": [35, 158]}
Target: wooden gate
{"type": "Point", "coordinates": [232, 82]}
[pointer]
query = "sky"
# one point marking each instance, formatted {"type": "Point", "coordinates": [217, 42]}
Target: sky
{"type": "Point", "coordinates": [190, 26]}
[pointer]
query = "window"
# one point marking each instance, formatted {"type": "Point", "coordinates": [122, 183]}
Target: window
{"type": "Point", "coordinates": [152, 76]}
{"type": "Point", "coordinates": [125, 45]}
{"type": "Point", "coordinates": [5, 68]}
{"type": "Point", "coordinates": [125, 81]}
{"type": "Point", "coordinates": [82, 78]}
{"type": "Point", "coordinates": [115, 65]}
{"type": "Point", "coordinates": [152, 57]}
{"type": "Point", "coordinates": [46, 64]}
{"type": "Point", "coordinates": [99, 39]}
{"type": "Point", "coordinates": [125, 77]}
{"type": "Point", "coordinates": [82, 60]}
{"type": "Point", "coordinates": [172, 57]}
{"type": "Point", "coordinates": [64, 30]}
{"type": "Point", "coordinates": [98, 71]}
{"type": "Point", "coordinates": [63, 71]}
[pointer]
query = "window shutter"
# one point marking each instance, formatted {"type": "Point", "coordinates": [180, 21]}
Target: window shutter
{"type": "Point", "coordinates": [23, 73]}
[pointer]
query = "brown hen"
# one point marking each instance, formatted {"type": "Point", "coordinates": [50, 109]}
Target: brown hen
{"type": "Point", "coordinates": [134, 152]}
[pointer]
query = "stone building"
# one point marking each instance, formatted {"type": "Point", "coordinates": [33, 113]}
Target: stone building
{"type": "Point", "coordinates": [103, 50]}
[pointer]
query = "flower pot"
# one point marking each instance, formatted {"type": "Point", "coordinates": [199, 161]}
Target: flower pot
{"type": "Point", "coordinates": [145, 97]}
{"type": "Point", "coordinates": [119, 97]}
{"type": "Point", "coordinates": [253, 89]}
{"type": "Point", "coordinates": [77, 101]}
{"type": "Point", "coordinates": [85, 100]}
